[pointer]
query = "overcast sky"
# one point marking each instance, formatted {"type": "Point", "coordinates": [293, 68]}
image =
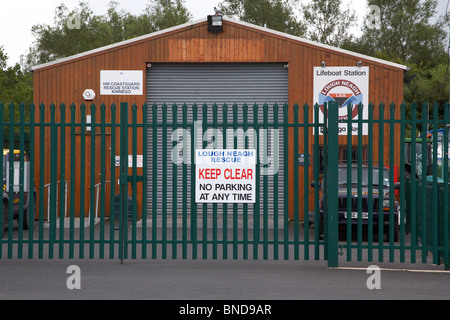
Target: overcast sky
{"type": "Point", "coordinates": [18, 16]}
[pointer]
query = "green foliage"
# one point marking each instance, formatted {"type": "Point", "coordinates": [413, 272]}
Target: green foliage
{"type": "Point", "coordinates": [407, 32]}
{"type": "Point", "coordinates": [328, 22]}
{"type": "Point", "coordinates": [274, 14]}
{"type": "Point", "coordinates": [64, 38]}
{"type": "Point", "coordinates": [429, 84]}
{"type": "Point", "coordinates": [411, 35]}
{"type": "Point", "coordinates": [16, 86]}
{"type": "Point", "coordinates": [167, 13]}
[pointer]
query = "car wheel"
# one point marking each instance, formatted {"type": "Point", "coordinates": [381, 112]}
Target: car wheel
{"type": "Point", "coordinates": [321, 229]}
{"type": "Point", "coordinates": [396, 233]}
{"type": "Point", "coordinates": [5, 218]}
{"type": "Point", "coordinates": [26, 216]}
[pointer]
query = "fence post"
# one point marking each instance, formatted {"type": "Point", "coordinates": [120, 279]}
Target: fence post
{"type": "Point", "coordinates": [123, 212]}
{"type": "Point", "coordinates": [2, 174]}
{"type": "Point", "coordinates": [332, 185]}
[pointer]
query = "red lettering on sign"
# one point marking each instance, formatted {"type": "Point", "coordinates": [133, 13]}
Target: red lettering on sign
{"type": "Point", "coordinates": [238, 174]}
{"type": "Point", "coordinates": [209, 173]}
{"type": "Point", "coordinates": [249, 174]}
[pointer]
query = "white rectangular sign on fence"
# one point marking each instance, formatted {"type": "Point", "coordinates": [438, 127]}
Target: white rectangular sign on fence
{"type": "Point", "coordinates": [347, 86]}
{"type": "Point", "coordinates": [225, 176]}
{"type": "Point", "coordinates": [139, 161]}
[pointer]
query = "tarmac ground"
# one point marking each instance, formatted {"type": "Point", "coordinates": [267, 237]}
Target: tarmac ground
{"type": "Point", "coordinates": [218, 279]}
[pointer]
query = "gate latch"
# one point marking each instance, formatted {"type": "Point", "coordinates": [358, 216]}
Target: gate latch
{"type": "Point", "coordinates": [124, 179]}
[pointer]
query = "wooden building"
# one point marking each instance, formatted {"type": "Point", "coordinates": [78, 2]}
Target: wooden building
{"type": "Point", "coordinates": [258, 65]}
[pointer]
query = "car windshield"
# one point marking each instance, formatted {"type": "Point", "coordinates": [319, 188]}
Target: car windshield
{"type": "Point", "coordinates": [16, 159]}
{"type": "Point", "coordinates": [342, 180]}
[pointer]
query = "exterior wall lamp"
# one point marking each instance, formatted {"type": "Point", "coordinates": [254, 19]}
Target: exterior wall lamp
{"type": "Point", "coordinates": [215, 23]}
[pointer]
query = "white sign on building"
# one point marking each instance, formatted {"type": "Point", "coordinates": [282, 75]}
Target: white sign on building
{"type": "Point", "coordinates": [347, 86]}
{"type": "Point", "coordinates": [225, 176]}
{"type": "Point", "coordinates": [121, 82]}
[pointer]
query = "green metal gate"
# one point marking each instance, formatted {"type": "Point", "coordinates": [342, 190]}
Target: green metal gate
{"type": "Point", "coordinates": [91, 202]}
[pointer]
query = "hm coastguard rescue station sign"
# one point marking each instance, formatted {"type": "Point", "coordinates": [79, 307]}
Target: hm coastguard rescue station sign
{"type": "Point", "coordinates": [349, 86]}
{"type": "Point", "coordinates": [121, 82]}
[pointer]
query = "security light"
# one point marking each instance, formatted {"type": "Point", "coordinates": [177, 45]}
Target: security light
{"type": "Point", "coordinates": [215, 23]}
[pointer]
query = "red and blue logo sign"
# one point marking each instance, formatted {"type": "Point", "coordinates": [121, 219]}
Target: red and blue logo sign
{"type": "Point", "coordinates": [345, 93]}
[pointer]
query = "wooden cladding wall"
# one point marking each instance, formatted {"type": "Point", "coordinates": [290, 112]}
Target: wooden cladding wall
{"type": "Point", "coordinates": [65, 82]}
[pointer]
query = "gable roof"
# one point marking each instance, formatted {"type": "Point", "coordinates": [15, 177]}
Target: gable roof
{"type": "Point", "coordinates": [200, 21]}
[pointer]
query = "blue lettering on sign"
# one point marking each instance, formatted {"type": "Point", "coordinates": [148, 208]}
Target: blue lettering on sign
{"type": "Point", "coordinates": [227, 153]}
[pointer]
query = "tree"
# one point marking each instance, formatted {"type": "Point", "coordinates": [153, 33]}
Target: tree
{"type": "Point", "coordinates": [406, 32]}
{"type": "Point", "coordinates": [427, 84]}
{"type": "Point", "coordinates": [80, 30]}
{"type": "Point", "coordinates": [328, 23]}
{"type": "Point", "coordinates": [167, 13]}
{"type": "Point", "coordinates": [16, 86]}
{"type": "Point", "coordinates": [274, 14]}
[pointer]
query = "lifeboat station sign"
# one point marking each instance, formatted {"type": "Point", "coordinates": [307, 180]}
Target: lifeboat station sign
{"type": "Point", "coordinates": [347, 86]}
{"type": "Point", "coordinates": [225, 176]}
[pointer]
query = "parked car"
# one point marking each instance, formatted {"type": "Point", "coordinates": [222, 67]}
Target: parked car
{"type": "Point", "coordinates": [343, 199]}
{"type": "Point", "coordinates": [14, 195]}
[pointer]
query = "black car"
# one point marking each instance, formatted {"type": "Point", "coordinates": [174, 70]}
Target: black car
{"type": "Point", "coordinates": [344, 197]}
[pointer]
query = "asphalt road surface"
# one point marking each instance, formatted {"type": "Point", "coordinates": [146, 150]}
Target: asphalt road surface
{"type": "Point", "coordinates": [218, 279]}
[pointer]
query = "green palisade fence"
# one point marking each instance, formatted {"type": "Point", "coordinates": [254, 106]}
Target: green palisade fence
{"type": "Point", "coordinates": [90, 201]}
